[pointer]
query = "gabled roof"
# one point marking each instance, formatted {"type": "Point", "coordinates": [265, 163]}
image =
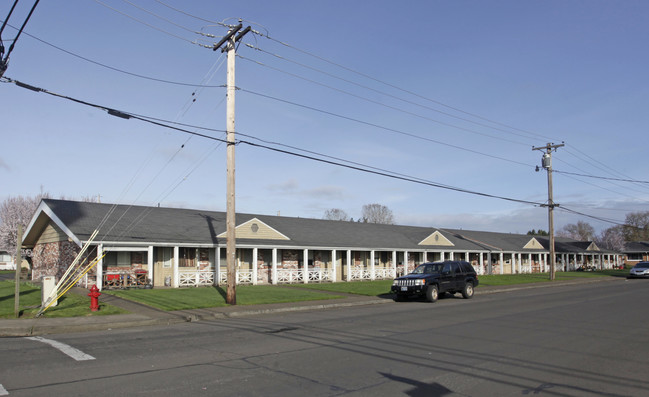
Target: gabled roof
{"type": "Point", "coordinates": [636, 247]}
{"type": "Point", "coordinates": [124, 224]}
{"type": "Point", "coordinates": [138, 225]}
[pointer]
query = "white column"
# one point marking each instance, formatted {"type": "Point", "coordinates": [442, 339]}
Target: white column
{"type": "Point", "coordinates": [274, 267]}
{"type": "Point", "coordinates": [481, 267]}
{"type": "Point", "coordinates": [442, 256]}
{"type": "Point", "coordinates": [529, 261]}
{"type": "Point", "coordinates": [394, 263]}
{"type": "Point", "coordinates": [405, 262]}
{"type": "Point", "coordinates": [372, 268]}
{"type": "Point", "coordinates": [100, 267]}
{"type": "Point", "coordinates": [217, 266]}
{"type": "Point", "coordinates": [149, 259]}
{"type": "Point", "coordinates": [520, 263]}
{"type": "Point", "coordinates": [305, 273]}
{"type": "Point", "coordinates": [349, 265]}
{"type": "Point", "coordinates": [255, 253]}
{"type": "Point", "coordinates": [466, 256]}
{"type": "Point", "coordinates": [502, 263]}
{"type": "Point", "coordinates": [174, 282]}
{"type": "Point", "coordinates": [333, 266]}
{"type": "Point", "coordinates": [452, 256]}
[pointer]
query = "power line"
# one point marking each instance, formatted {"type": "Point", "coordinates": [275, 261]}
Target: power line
{"type": "Point", "coordinates": [127, 115]}
{"type": "Point", "coordinates": [152, 26]}
{"type": "Point", "coordinates": [532, 134]}
{"type": "Point", "coordinates": [381, 127]}
{"type": "Point", "coordinates": [379, 103]}
{"type": "Point", "coordinates": [117, 69]}
{"type": "Point", "coordinates": [382, 93]}
{"type": "Point", "coordinates": [602, 177]}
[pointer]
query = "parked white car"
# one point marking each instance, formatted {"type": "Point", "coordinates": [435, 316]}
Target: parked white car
{"type": "Point", "coordinates": [640, 270]}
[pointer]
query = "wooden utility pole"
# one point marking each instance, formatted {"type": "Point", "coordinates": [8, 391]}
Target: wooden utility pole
{"type": "Point", "coordinates": [547, 164]}
{"type": "Point", "coordinates": [231, 40]}
{"type": "Point", "coordinates": [18, 262]}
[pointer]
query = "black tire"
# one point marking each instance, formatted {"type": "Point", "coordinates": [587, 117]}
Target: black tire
{"type": "Point", "coordinates": [432, 293]}
{"type": "Point", "coordinates": [399, 297]}
{"type": "Point", "coordinates": [467, 291]}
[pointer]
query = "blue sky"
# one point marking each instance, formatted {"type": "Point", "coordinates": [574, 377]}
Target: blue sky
{"type": "Point", "coordinates": [452, 92]}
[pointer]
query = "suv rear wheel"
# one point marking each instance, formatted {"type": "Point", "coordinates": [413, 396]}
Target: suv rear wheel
{"type": "Point", "coordinates": [467, 291]}
{"type": "Point", "coordinates": [432, 293]}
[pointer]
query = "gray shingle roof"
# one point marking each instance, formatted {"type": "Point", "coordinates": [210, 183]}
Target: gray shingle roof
{"type": "Point", "coordinates": [124, 224]}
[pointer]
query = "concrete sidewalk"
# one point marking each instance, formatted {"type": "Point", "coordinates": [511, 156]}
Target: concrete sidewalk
{"type": "Point", "coordinates": [142, 315]}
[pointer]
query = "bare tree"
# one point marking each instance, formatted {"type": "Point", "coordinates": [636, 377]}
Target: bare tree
{"type": "Point", "coordinates": [611, 238]}
{"type": "Point", "coordinates": [581, 231]}
{"type": "Point", "coordinates": [336, 214]}
{"type": "Point", "coordinates": [16, 211]}
{"type": "Point", "coordinates": [636, 226]}
{"type": "Point", "coordinates": [377, 213]}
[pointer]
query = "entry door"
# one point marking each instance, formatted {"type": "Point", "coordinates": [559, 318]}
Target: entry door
{"type": "Point", "coordinates": [163, 269]}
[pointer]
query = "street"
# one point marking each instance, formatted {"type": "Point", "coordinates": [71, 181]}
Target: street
{"type": "Point", "coordinates": [578, 340]}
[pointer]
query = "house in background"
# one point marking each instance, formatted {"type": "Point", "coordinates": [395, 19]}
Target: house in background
{"type": "Point", "coordinates": [175, 247]}
{"type": "Point", "coordinates": [636, 251]}
{"type": "Point", "coordinates": [7, 261]}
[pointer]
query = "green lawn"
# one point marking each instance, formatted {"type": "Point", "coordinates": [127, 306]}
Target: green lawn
{"type": "Point", "coordinates": [511, 279]}
{"type": "Point", "coordinates": [70, 305]}
{"type": "Point", "coordinates": [367, 288]}
{"type": "Point", "coordinates": [202, 297]}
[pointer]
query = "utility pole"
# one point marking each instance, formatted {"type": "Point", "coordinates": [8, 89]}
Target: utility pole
{"type": "Point", "coordinates": [231, 40]}
{"type": "Point", "coordinates": [18, 262]}
{"type": "Point", "coordinates": [546, 162]}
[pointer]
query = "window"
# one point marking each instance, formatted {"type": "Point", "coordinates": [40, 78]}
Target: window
{"type": "Point", "coordinates": [118, 258]}
{"type": "Point", "coordinates": [187, 257]}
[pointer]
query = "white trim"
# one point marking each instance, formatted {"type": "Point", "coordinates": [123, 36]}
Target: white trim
{"type": "Point", "coordinates": [45, 209]}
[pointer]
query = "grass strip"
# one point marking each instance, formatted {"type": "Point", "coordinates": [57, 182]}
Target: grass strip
{"type": "Point", "coordinates": [204, 297]}
{"type": "Point", "coordinates": [69, 305]}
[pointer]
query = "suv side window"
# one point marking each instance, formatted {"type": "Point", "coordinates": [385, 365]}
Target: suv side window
{"type": "Point", "coordinates": [447, 268]}
{"type": "Point", "coordinates": [456, 268]}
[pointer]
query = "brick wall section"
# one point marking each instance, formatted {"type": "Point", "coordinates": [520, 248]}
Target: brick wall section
{"type": "Point", "coordinates": [52, 259]}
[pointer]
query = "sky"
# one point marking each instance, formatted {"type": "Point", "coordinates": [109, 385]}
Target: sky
{"type": "Point", "coordinates": [440, 103]}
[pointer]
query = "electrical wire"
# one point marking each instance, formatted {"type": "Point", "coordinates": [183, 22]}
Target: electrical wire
{"type": "Point", "coordinates": [601, 177]}
{"type": "Point", "coordinates": [151, 26]}
{"type": "Point", "coordinates": [383, 93]}
{"type": "Point", "coordinates": [393, 130]}
{"type": "Point", "coordinates": [532, 134]}
{"type": "Point", "coordinates": [380, 103]}
{"type": "Point", "coordinates": [126, 115]}
{"type": "Point", "coordinates": [117, 69]}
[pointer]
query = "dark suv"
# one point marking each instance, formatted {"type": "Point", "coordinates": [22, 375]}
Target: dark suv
{"type": "Point", "coordinates": [433, 278]}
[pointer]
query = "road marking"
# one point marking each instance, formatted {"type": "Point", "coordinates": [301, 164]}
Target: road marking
{"type": "Point", "coordinates": [3, 391]}
{"type": "Point", "coordinates": [69, 350]}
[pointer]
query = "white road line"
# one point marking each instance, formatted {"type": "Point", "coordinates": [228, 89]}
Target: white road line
{"type": "Point", "coordinates": [3, 391]}
{"type": "Point", "coordinates": [69, 350]}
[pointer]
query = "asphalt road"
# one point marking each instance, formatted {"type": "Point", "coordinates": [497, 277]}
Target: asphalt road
{"type": "Point", "coordinates": [586, 340]}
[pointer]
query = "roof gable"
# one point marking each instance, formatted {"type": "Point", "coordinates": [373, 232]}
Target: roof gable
{"type": "Point", "coordinates": [437, 238]}
{"type": "Point", "coordinates": [256, 229]}
{"type": "Point", "coordinates": [533, 244]}
{"type": "Point", "coordinates": [592, 247]}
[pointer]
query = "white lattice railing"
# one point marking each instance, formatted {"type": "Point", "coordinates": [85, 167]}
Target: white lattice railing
{"type": "Point", "coordinates": [384, 273]}
{"type": "Point", "coordinates": [289, 276]}
{"type": "Point", "coordinates": [242, 278]}
{"type": "Point", "coordinates": [318, 275]}
{"type": "Point", "coordinates": [361, 273]}
{"type": "Point", "coordinates": [196, 278]}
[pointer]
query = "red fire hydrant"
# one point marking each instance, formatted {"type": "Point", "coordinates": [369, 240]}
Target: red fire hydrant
{"type": "Point", "coordinates": [94, 298]}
